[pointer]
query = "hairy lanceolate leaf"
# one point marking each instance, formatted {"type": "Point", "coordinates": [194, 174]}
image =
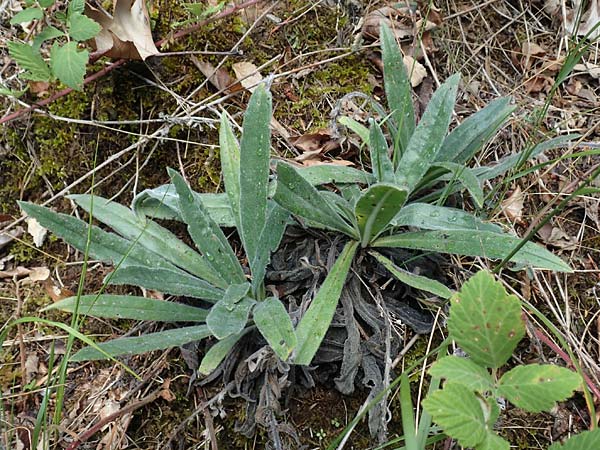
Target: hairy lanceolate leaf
{"type": "Point", "coordinates": [27, 15]}
{"type": "Point", "coordinates": [229, 149]}
{"type": "Point", "coordinates": [69, 63]}
{"type": "Point", "coordinates": [432, 217]}
{"type": "Point", "coordinates": [586, 440]}
{"type": "Point", "coordinates": [81, 27]}
{"type": "Point", "coordinates": [150, 235]}
{"type": "Point", "coordinates": [207, 235]}
{"type": "Point", "coordinates": [271, 235]}
{"type": "Point", "coordinates": [315, 322]}
{"type": "Point", "coordinates": [468, 138]}
{"type": "Point", "coordinates": [493, 442]}
{"type": "Point", "coordinates": [274, 323]}
{"type": "Point", "coordinates": [536, 387]}
{"type": "Point", "coordinates": [463, 371]}
{"type": "Point", "coordinates": [104, 246]}
{"type": "Point", "coordinates": [163, 203]}
{"type": "Point", "coordinates": [475, 243]}
{"type": "Point", "coordinates": [485, 321]}
{"type": "Point", "coordinates": [329, 173]}
{"type": "Point", "coordinates": [413, 280]}
{"type": "Point", "coordinates": [217, 353]}
{"type": "Point", "coordinates": [255, 148]}
{"type": "Point", "coordinates": [466, 177]}
{"type": "Point", "coordinates": [458, 411]}
{"type": "Point", "coordinates": [169, 281]}
{"type": "Point", "coordinates": [381, 164]}
{"type": "Point", "coordinates": [427, 138]}
{"type": "Point", "coordinates": [145, 343]}
{"type": "Point", "coordinates": [358, 128]}
{"type": "Point", "coordinates": [130, 307]}
{"type": "Point", "coordinates": [30, 59]}
{"type": "Point", "coordinates": [397, 88]}
{"type": "Point", "coordinates": [299, 197]}
{"type": "Point", "coordinates": [226, 319]}
{"type": "Point", "coordinates": [376, 208]}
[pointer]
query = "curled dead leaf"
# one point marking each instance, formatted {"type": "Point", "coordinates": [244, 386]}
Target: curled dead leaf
{"type": "Point", "coordinates": [247, 74]}
{"type": "Point", "coordinates": [513, 205]}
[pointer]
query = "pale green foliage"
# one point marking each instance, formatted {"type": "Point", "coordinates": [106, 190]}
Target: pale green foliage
{"type": "Point", "coordinates": [67, 62]}
{"type": "Point", "coordinates": [486, 322]}
{"type": "Point", "coordinates": [584, 441]}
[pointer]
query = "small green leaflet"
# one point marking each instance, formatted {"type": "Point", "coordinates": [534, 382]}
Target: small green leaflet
{"type": "Point", "coordinates": [68, 64]}
{"type": "Point", "coordinates": [458, 411]}
{"type": "Point", "coordinates": [30, 60]}
{"type": "Point", "coordinates": [485, 321]}
{"type": "Point", "coordinates": [493, 442]}
{"type": "Point", "coordinates": [536, 387]}
{"type": "Point", "coordinates": [462, 371]}
{"type": "Point", "coordinates": [587, 440]}
{"type": "Point", "coordinates": [46, 34]}
{"type": "Point", "coordinates": [27, 15]}
{"type": "Point", "coordinates": [81, 27]}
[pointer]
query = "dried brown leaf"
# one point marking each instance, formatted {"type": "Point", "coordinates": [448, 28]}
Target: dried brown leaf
{"type": "Point", "coordinates": [513, 205]}
{"type": "Point", "coordinates": [247, 74]}
{"type": "Point", "coordinates": [219, 78]}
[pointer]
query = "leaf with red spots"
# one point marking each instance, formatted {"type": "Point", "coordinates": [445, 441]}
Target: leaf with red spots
{"type": "Point", "coordinates": [485, 321]}
{"type": "Point", "coordinates": [537, 387]}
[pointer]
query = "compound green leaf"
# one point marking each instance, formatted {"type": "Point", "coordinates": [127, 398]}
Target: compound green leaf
{"type": "Point", "coordinates": [485, 321]}
{"type": "Point", "coordinates": [144, 343]}
{"type": "Point", "coordinates": [458, 411]}
{"type": "Point", "coordinates": [469, 137]}
{"type": "Point", "coordinates": [274, 323]}
{"type": "Point", "coordinates": [130, 307]}
{"type": "Point", "coordinates": [462, 371]}
{"type": "Point", "coordinates": [150, 235]}
{"type": "Point", "coordinates": [425, 142]}
{"type": "Point", "coordinates": [493, 442]}
{"type": "Point", "coordinates": [536, 387]}
{"type": "Point", "coordinates": [49, 32]}
{"type": "Point", "coordinates": [299, 197]}
{"type": "Point", "coordinates": [381, 164]}
{"type": "Point", "coordinates": [104, 246]}
{"type": "Point", "coordinates": [476, 243]}
{"type": "Point", "coordinates": [169, 281]}
{"type": "Point", "coordinates": [218, 352]}
{"type": "Point", "coordinates": [207, 235]}
{"type": "Point", "coordinates": [397, 87]}
{"type": "Point", "coordinates": [255, 148]}
{"type": "Point", "coordinates": [376, 208]}
{"type": "Point", "coordinates": [81, 27]}
{"type": "Point", "coordinates": [30, 59]}
{"type": "Point", "coordinates": [315, 322]}
{"type": "Point", "coordinates": [68, 63]}
{"type": "Point", "coordinates": [586, 440]}
{"type": "Point", "coordinates": [27, 15]}
{"type": "Point", "coordinates": [432, 217]}
{"type": "Point", "coordinates": [226, 318]}
{"type": "Point", "coordinates": [413, 280]}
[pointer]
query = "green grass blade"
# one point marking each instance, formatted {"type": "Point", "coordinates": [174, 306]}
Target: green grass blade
{"type": "Point", "coordinates": [103, 245]}
{"type": "Point", "coordinates": [174, 282]}
{"type": "Point", "coordinates": [376, 208]}
{"type": "Point", "coordinates": [397, 89]}
{"type": "Point", "coordinates": [274, 323]}
{"type": "Point", "coordinates": [429, 135]}
{"type": "Point", "coordinates": [381, 164]}
{"type": "Point", "coordinates": [150, 235]}
{"type": "Point", "coordinates": [142, 344]}
{"type": "Point", "coordinates": [476, 243]}
{"type": "Point", "coordinates": [255, 147]}
{"type": "Point", "coordinates": [299, 197]}
{"type": "Point", "coordinates": [432, 217]}
{"type": "Point", "coordinates": [407, 413]}
{"type": "Point", "coordinates": [469, 137]}
{"type": "Point", "coordinates": [413, 280]}
{"type": "Point", "coordinates": [207, 235]}
{"type": "Point", "coordinates": [130, 307]}
{"type": "Point", "coordinates": [315, 322]}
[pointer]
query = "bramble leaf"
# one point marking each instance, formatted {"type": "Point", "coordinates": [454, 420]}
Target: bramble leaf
{"type": "Point", "coordinates": [586, 440]}
{"type": "Point", "coordinates": [30, 59]}
{"type": "Point", "coordinates": [69, 63]}
{"type": "Point", "coordinates": [462, 371]}
{"type": "Point", "coordinates": [536, 387]}
{"type": "Point", "coordinates": [81, 27]}
{"type": "Point", "coordinates": [485, 321]}
{"type": "Point", "coordinates": [27, 15]}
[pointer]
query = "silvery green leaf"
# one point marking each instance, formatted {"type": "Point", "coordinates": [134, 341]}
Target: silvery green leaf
{"type": "Point", "coordinates": [381, 164]}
